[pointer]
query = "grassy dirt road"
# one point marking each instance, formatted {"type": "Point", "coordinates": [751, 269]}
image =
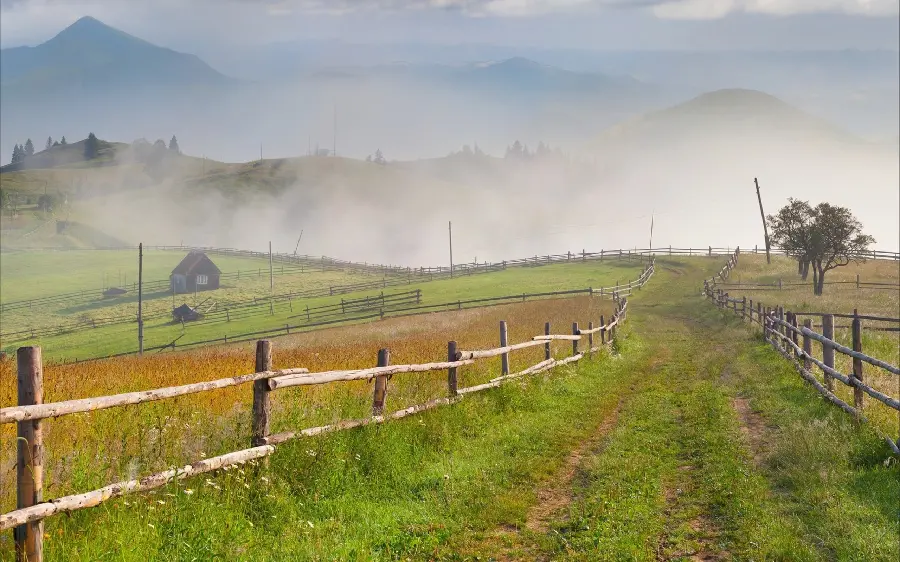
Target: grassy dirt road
{"type": "Point", "coordinates": [716, 451]}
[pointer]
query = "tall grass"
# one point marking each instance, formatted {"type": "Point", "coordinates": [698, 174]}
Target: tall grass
{"type": "Point", "coordinates": [843, 299]}
{"type": "Point", "coordinates": [85, 451]}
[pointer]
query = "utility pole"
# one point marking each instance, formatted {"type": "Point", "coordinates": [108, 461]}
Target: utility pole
{"type": "Point", "coordinates": [334, 137]}
{"type": "Point", "coordinates": [140, 298]}
{"type": "Point", "coordinates": [762, 215]}
{"type": "Point", "coordinates": [271, 275]}
{"type": "Point", "coordinates": [298, 242]}
{"type": "Point", "coordinates": [450, 230]}
{"type": "Point", "coordinates": [260, 152]}
{"type": "Point", "coordinates": [651, 233]}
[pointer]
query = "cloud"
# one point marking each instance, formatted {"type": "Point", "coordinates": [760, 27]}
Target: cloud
{"type": "Point", "coordinates": [715, 9]}
{"type": "Point", "coordinates": [666, 9]}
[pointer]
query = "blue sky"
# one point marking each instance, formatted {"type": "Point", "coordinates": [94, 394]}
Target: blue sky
{"type": "Point", "coordinates": [587, 24]}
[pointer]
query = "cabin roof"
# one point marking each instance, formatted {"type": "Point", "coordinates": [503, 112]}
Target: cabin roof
{"type": "Point", "coordinates": [196, 263]}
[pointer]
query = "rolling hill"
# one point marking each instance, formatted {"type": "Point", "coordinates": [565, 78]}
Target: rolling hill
{"type": "Point", "coordinates": [698, 160]}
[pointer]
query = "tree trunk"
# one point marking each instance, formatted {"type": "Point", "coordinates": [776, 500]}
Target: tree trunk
{"type": "Point", "coordinates": [820, 282]}
{"type": "Point", "coordinates": [804, 269]}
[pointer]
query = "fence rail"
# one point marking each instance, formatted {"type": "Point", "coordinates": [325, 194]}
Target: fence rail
{"type": "Point", "coordinates": [394, 310]}
{"type": "Point", "coordinates": [782, 330]}
{"type": "Point", "coordinates": [27, 519]}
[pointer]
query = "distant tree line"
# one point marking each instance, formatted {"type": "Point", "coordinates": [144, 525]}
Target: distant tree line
{"type": "Point", "coordinates": [23, 151]}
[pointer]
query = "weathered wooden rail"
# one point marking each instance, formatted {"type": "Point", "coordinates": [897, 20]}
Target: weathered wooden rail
{"type": "Point", "coordinates": [781, 328]}
{"type": "Point", "coordinates": [33, 508]}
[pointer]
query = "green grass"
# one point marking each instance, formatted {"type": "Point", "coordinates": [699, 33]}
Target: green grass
{"type": "Point", "coordinates": [684, 472]}
{"type": "Point", "coordinates": [404, 490]}
{"type": "Point", "coordinates": [122, 337]}
{"type": "Point", "coordinates": [30, 275]}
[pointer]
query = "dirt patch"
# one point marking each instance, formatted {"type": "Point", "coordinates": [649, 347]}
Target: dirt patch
{"type": "Point", "coordinates": [703, 531]}
{"type": "Point", "coordinates": [752, 427]}
{"type": "Point", "coordinates": [558, 494]}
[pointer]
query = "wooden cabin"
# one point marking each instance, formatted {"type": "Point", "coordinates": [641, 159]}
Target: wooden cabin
{"type": "Point", "coordinates": [196, 272]}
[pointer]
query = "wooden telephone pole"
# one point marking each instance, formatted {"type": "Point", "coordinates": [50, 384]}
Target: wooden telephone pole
{"type": "Point", "coordinates": [762, 215]}
{"type": "Point", "coordinates": [140, 298]}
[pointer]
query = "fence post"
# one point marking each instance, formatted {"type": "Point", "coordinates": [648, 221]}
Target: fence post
{"type": "Point", "coordinates": [262, 405]}
{"type": "Point", "coordinates": [602, 330]}
{"type": "Point", "coordinates": [504, 359]}
{"type": "Point", "coordinates": [857, 280]}
{"type": "Point", "coordinates": [591, 340]}
{"type": "Point", "coordinates": [827, 349]}
{"type": "Point", "coordinates": [384, 359]}
{"type": "Point", "coordinates": [744, 308]}
{"type": "Point", "coordinates": [451, 372]}
{"type": "Point", "coordinates": [574, 342]}
{"type": "Point", "coordinates": [547, 345]}
{"type": "Point", "coordinates": [758, 310]}
{"type": "Point", "coordinates": [857, 363]}
{"type": "Point", "coordinates": [29, 538]}
{"type": "Point", "coordinates": [807, 346]}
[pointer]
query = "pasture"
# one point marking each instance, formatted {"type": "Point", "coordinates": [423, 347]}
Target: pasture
{"type": "Point", "coordinates": [159, 329]}
{"type": "Point", "coordinates": [689, 439]}
{"type": "Point", "coordinates": [843, 296]}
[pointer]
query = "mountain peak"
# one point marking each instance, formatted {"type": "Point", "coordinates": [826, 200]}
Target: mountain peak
{"type": "Point", "coordinates": [88, 29]}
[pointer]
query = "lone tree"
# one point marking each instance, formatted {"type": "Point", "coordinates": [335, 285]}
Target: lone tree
{"type": "Point", "coordinates": [173, 145]}
{"type": "Point", "coordinates": [791, 230]}
{"type": "Point", "coordinates": [62, 141]}
{"type": "Point", "coordinates": [91, 147]}
{"type": "Point", "coordinates": [379, 157]}
{"type": "Point", "coordinates": [825, 236]}
{"type": "Point", "coordinates": [49, 144]}
{"type": "Point", "coordinates": [29, 148]}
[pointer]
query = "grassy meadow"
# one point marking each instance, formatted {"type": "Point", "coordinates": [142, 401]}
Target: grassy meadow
{"type": "Point", "coordinates": [119, 338]}
{"type": "Point", "coordinates": [838, 298]}
{"type": "Point", "coordinates": [692, 439]}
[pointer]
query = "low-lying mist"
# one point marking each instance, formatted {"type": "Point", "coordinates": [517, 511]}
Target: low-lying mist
{"type": "Point", "coordinates": [691, 168]}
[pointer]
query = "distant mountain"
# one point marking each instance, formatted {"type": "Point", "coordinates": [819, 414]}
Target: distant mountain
{"type": "Point", "coordinates": [697, 160]}
{"type": "Point", "coordinates": [91, 58]}
{"type": "Point", "coordinates": [515, 76]}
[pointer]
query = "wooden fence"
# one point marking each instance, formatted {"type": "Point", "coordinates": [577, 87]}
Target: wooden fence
{"type": "Point", "coordinates": [330, 315]}
{"type": "Point", "coordinates": [781, 328]}
{"type": "Point", "coordinates": [32, 508]}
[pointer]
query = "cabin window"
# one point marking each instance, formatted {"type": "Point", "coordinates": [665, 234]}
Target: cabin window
{"type": "Point", "coordinates": [202, 279]}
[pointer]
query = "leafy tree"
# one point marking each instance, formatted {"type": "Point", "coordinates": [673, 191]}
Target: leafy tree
{"type": "Point", "coordinates": [16, 155]}
{"type": "Point", "coordinates": [49, 144]}
{"type": "Point", "coordinates": [91, 147]}
{"type": "Point", "coordinates": [173, 145]}
{"type": "Point", "coordinates": [837, 240]}
{"type": "Point", "coordinates": [792, 231]}
{"type": "Point", "coordinates": [825, 236]}
{"type": "Point", "coordinates": [62, 141]}
{"type": "Point", "coordinates": [29, 148]}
